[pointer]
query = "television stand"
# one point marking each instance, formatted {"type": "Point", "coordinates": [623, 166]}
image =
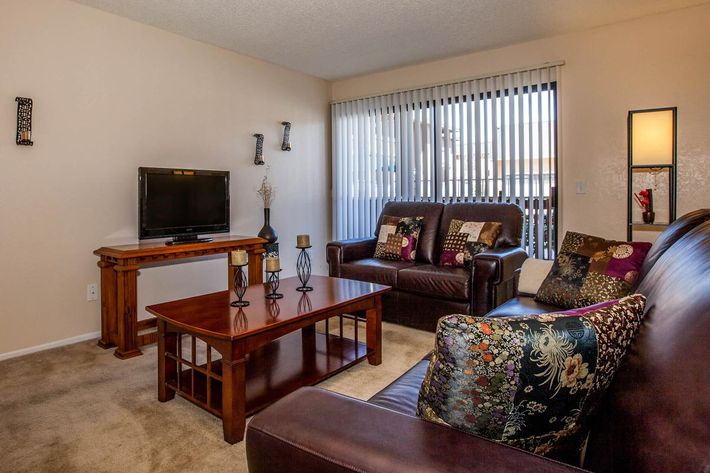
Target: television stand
{"type": "Point", "coordinates": [184, 240]}
{"type": "Point", "coordinates": [119, 265]}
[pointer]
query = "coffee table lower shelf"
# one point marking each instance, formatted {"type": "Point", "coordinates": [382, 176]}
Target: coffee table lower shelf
{"type": "Point", "coordinates": [272, 371]}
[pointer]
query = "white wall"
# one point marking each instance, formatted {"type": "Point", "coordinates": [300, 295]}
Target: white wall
{"type": "Point", "coordinates": [111, 95]}
{"type": "Point", "coordinates": [660, 60]}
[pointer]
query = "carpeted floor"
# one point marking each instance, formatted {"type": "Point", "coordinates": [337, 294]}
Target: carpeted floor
{"type": "Point", "coordinates": [78, 408]}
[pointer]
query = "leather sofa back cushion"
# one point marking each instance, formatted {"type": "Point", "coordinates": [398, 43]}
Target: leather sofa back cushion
{"type": "Point", "coordinates": [670, 235]}
{"type": "Point", "coordinates": [431, 211]}
{"type": "Point", "coordinates": [656, 414]}
{"type": "Point", "coordinates": [590, 269]}
{"type": "Point", "coordinates": [509, 215]}
{"type": "Point", "coordinates": [530, 382]}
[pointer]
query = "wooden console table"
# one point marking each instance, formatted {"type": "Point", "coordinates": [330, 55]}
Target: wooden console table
{"type": "Point", "coordinates": [119, 280]}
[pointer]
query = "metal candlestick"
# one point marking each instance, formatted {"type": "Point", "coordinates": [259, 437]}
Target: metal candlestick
{"type": "Point", "coordinates": [303, 269]}
{"type": "Point", "coordinates": [272, 280]}
{"type": "Point", "coordinates": [240, 283]}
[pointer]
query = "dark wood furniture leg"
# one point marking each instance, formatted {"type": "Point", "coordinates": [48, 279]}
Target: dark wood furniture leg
{"type": "Point", "coordinates": [374, 332]}
{"type": "Point", "coordinates": [167, 367]}
{"type": "Point", "coordinates": [126, 282]}
{"type": "Point", "coordinates": [108, 304]}
{"type": "Point", "coordinates": [234, 395]}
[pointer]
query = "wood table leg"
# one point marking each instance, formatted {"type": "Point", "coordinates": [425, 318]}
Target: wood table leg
{"type": "Point", "coordinates": [126, 282]}
{"type": "Point", "coordinates": [108, 304]}
{"type": "Point", "coordinates": [374, 332]}
{"type": "Point", "coordinates": [233, 399]}
{"type": "Point", "coordinates": [308, 346]}
{"type": "Point", "coordinates": [167, 367]}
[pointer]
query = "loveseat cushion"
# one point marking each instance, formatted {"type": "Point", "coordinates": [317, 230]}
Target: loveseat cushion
{"type": "Point", "coordinates": [374, 270]}
{"type": "Point", "coordinates": [530, 382]}
{"type": "Point", "coordinates": [590, 269]}
{"type": "Point", "coordinates": [521, 305]}
{"type": "Point", "coordinates": [402, 394]}
{"type": "Point", "coordinates": [436, 281]}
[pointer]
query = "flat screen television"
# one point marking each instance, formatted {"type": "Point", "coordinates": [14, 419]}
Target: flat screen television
{"type": "Point", "coordinates": [182, 203]}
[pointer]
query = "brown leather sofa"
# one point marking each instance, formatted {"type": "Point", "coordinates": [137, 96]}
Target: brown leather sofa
{"type": "Point", "coordinates": [653, 419]}
{"type": "Point", "coordinates": [423, 291]}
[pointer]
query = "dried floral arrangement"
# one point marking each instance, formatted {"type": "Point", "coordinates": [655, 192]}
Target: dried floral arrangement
{"type": "Point", "coordinates": [266, 191]}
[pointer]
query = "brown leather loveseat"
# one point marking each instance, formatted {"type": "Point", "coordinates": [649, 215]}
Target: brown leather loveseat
{"type": "Point", "coordinates": [423, 291]}
{"type": "Point", "coordinates": [654, 417]}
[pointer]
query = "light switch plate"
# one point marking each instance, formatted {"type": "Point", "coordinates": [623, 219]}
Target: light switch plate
{"type": "Point", "coordinates": [581, 187]}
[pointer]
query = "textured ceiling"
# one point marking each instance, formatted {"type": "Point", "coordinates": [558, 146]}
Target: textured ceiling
{"type": "Point", "coordinates": [334, 39]}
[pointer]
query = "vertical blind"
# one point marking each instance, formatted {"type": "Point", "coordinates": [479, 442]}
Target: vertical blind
{"type": "Point", "coordinates": [490, 139]}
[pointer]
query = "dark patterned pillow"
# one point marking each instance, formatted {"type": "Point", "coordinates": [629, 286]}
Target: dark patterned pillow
{"type": "Point", "coordinates": [590, 269]}
{"type": "Point", "coordinates": [464, 240]}
{"type": "Point", "coordinates": [398, 237]}
{"type": "Point", "coordinates": [530, 382]}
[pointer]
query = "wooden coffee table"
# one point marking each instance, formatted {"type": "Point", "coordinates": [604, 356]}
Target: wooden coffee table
{"type": "Point", "coordinates": [262, 357]}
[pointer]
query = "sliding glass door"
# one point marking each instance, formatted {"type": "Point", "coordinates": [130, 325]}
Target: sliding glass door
{"type": "Point", "coordinates": [485, 140]}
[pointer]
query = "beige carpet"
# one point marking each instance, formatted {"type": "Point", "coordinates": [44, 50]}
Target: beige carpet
{"type": "Point", "coordinates": [78, 408]}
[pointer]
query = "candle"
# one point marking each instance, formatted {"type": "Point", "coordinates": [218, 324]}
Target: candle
{"type": "Point", "coordinates": [239, 258]}
{"type": "Point", "coordinates": [272, 264]}
{"type": "Point", "coordinates": [303, 241]}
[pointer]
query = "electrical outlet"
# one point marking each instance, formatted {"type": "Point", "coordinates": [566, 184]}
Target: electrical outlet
{"type": "Point", "coordinates": [581, 187]}
{"type": "Point", "coordinates": [92, 292]}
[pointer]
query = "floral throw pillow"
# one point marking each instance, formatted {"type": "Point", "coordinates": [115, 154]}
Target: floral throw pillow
{"type": "Point", "coordinates": [464, 240]}
{"type": "Point", "coordinates": [530, 382]}
{"type": "Point", "coordinates": [590, 269]}
{"type": "Point", "coordinates": [398, 237]}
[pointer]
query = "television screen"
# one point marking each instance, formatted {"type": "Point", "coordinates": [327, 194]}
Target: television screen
{"type": "Point", "coordinates": [176, 202]}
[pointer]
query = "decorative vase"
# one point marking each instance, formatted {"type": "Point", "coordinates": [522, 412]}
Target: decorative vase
{"type": "Point", "coordinates": [648, 216]}
{"type": "Point", "coordinates": [267, 232]}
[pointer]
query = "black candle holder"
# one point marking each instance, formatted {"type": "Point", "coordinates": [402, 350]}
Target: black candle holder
{"type": "Point", "coordinates": [303, 269]}
{"type": "Point", "coordinates": [272, 280]}
{"type": "Point", "coordinates": [240, 283]}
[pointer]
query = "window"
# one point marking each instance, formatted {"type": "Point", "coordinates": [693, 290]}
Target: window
{"type": "Point", "coordinates": [486, 140]}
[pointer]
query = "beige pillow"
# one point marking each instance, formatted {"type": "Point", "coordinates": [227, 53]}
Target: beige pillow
{"type": "Point", "coordinates": [532, 274]}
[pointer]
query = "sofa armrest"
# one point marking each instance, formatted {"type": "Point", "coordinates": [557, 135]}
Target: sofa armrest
{"type": "Point", "coordinates": [318, 431]}
{"type": "Point", "coordinates": [494, 275]}
{"type": "Point", "coordinates": [344, 251]}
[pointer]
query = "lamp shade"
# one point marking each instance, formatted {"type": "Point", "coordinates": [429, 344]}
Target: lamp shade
{"type": "Point", "coordinates": [652, 137]}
